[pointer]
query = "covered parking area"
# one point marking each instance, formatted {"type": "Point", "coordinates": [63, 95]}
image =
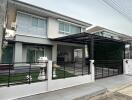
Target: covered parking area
{"type": "Point", "coordinates": [107, 54]}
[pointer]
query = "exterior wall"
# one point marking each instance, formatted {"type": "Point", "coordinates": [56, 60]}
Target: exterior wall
{"type": "Point", "coordinates": [18, 52]}
{"type": "Point", "coordinates": [3, 4]}
{"type": "Point", "coordinates": [54, 52]}
{"type": "Point", "coordinates": [11, 15]}
{"type": "Point", "coordinates": [29, 39]}
{"type": "Point", "coordinates": [53, 28]}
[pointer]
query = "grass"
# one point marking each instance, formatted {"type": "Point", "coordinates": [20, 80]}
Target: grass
{"type": "Point", "coordinates": [62, 74]}
{"type": "Point", "coordinates": [19, 78]}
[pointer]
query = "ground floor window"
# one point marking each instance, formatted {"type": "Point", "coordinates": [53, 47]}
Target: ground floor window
{"type": "Point", "coordinates": [33, 54]}
{"type": "Point", "coordinates": [7, 54]}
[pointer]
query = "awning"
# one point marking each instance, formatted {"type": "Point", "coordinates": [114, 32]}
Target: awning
{"type": "Point", "coordinates": [84, 38]}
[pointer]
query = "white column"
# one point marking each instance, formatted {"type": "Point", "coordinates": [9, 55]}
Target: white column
{"type": "Point", "coordinates": [92, 70]}
{"type": "Point", "coordinates": [0, 51]}
{"type": "Point", "coordinates": [125, 66]}
{"type": "Point", "coordinates": [49, 74]}
{"type": "Point", "coordinates": [54, 52]}
{"type": "Point", "coordinates": [18, 52]}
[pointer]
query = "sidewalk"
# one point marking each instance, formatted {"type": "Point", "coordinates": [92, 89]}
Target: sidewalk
{"type": "Point", "coordinates": [83, 92]}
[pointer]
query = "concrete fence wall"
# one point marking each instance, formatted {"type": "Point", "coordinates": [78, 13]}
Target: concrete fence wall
{"type": "Point", "coordinates": [127, 66]}
{"type": "Point", "coordinates": [18, 91]}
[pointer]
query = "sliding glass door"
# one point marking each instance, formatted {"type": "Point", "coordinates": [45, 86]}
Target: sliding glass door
{"type": "Point", "coordinates": [33, 54]}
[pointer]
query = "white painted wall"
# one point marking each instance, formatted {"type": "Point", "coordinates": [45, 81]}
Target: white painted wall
{"type": "Point", "coordinates": [53, 28]}
{"type": "Point", "coordinates": [127, 66]}
{"type": "Point", "coordinates": [18, 91]}
{"type": "Point", "coordinates": [18, 52]}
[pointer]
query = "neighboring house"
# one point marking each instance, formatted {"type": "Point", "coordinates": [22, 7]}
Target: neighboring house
{"type": "Point", "coordinates": [108, 33]}
{"type": "Point", "coordinates": [114, 35]}
{"type": "Point", "coordinates": [29, 30]}
{"type": "Point", "coordinates": [3, 4]}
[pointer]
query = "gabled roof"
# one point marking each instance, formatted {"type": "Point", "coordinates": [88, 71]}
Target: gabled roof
{"type": "Point", "coordinates": [22, 6]}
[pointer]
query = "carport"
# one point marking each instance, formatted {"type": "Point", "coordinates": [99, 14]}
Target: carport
{"type": "Point", "coordinates": [107, 53]}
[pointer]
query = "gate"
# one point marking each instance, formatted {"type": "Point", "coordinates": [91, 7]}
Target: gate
{"type": "Point", "coordinates": [107, 68]}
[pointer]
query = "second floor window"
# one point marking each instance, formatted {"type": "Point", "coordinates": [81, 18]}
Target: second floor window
{"type": "Point", "coordinates": [67, 28]}
{"type": "Point", "coordinates": [31, 25]}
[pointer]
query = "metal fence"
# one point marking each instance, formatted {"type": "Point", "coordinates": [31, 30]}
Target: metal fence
{"type": "Point", "coordinates": [107, 68]}
{"type": "Point", "coordinates": [63, 69]}
{"type": "Point", "coordinates": [22, 73]}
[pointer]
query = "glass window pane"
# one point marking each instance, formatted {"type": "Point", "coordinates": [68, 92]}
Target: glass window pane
{"type": "Point", "coordinates": [41, 23]}
{"type": "Point", "coordinates": [30, 55]}
{"type": "Point", "coordinates": [61, 26]}
{"type": "Point", "coordinates": [67, 28]}
{"type": "Point", "coordinates": [7, 55]}
{"type": "Point", "coordinates": [34, 22]}
{"type": "Point", "coordinates": [75, 29]}
{"type": "Point", "coordinates": [39, 53]}
{"type": "Point", "coordinates": [78, 29]}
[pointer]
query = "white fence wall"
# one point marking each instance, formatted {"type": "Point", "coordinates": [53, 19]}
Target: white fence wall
{"type": "Point", "coordinates": [18, 91]}
{"type": "Point", "coordinates": [127, 66]}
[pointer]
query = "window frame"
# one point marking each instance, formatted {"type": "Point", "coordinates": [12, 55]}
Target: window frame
{"type": "Point", "coordinates": [70, 27]}
{"type": "Point", "coordinates": [31, 34]}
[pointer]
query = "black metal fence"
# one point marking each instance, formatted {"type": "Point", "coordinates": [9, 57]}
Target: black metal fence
{"type": "Point", "coordinates": [107, 68]}
{"type": "Point", "coordinates": [22, 73]}
{"type": "Point", "coordinates": [63, 69]}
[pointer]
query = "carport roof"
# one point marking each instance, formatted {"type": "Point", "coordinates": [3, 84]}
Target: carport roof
{"type": "Point", "coordinates": [84, 38]}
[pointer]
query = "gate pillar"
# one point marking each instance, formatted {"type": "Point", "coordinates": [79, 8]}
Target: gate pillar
{"type": "Point", "coordinates": [92, 70]}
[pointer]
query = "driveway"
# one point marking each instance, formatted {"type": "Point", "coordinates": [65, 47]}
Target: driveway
{"type": "Point", "coordinates": [121, 94]}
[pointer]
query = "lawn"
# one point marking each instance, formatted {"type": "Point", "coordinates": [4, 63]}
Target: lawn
{"type": "Point", "coordinates": [62, 74]}
{"type": "Point", "coordinates": [20, 78]}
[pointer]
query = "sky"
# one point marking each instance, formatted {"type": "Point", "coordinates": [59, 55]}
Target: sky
{"type": "Point", "coordinates": [96, 12]}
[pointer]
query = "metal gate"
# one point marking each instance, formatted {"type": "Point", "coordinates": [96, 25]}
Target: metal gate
{"type": "Point", "coordinates": [107, 68]}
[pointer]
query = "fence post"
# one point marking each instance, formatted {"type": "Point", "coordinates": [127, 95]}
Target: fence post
{"type": "Point", "coordinates": [49, 74]}
{"type": "Point", "coordinates": [92, 70]}
{"type": "Point", "coordinates": [29, 74]}
{"type": "Point", "coordinates": [9, 74]}
{"type": "Point", "coordinates": [125, 66]}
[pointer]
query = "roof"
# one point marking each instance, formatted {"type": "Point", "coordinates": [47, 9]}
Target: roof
{"type": "Point", "coordinates": [45, 12]}
{"type": "Point", "coordinates": [102, 29]}
{"type": "Point", "coordinates": [84, 38]}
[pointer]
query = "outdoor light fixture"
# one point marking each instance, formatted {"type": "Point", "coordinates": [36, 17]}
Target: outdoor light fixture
{"type": "Point", "coordinates": [127, 46]}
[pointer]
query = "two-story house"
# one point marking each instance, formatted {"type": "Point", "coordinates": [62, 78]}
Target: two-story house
{"type": "Point", "coordinates": [29, 29]}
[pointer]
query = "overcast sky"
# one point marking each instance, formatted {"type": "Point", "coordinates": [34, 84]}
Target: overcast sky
{"type": "Point", "coordinates": [95, 12]}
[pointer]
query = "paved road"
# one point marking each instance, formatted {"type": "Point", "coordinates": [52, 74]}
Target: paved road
{"type": "Point", "coordinates": [122, 94]}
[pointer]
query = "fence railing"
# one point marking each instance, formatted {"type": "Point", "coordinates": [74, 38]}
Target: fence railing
{"type": "Point", "coordinates": [106, 68]}
{"type": "Point", "coordinates": [22, 73]}
{"type": "Point", "coordinates": [62, 69]}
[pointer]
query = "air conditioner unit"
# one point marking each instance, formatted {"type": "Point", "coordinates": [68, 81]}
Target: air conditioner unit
{"type": "Point", "coordinates": [13, 25]}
